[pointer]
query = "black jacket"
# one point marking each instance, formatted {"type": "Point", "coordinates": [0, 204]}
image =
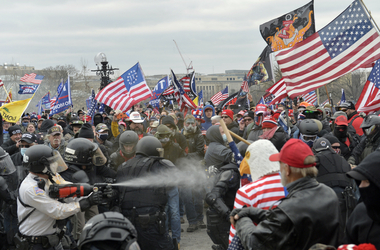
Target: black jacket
{"type": "Point", "coordinates": [363, 149]}
{"type": "Point", "coordinates": [308, 215]}
{"type": "Point", "coordinates": [10, 147]}
{"type": "Point", "coordinates": [195, 144]}
{"type": "Point", "coordinates": [234, 127]}
{"type": "Point", "coordinates": [361, 228]}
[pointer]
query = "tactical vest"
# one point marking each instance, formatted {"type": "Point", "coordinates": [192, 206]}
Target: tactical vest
{"type": "Point", "coordinates": [139, 197]}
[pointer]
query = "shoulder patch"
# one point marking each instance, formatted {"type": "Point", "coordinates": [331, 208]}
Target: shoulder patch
{"type": "Point", "coordinates": [38, 191]}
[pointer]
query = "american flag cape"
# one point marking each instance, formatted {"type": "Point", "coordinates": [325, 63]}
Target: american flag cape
{"type": "Point", "coordinates": [129, 89]}
{"type": "Point", "coordinates": [32, 78]}
{"type": "Point", "coordinates": [369, 99]}
{"type": "Point", "coordinates": [349, 42]}
{"type": "Point", "coordinates": [220, 96]}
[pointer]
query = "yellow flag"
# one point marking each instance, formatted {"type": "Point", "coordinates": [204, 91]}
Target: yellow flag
{"type": "Point", "coordinates": [11, 112]}
{"type": "Point", "coordinates": [196, 101]}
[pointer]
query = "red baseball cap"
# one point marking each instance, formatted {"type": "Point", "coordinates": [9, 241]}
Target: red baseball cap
{"type": "Point", "coordinates": [341, 121]}
{"type": "Point", "coordinates": [229, 113]}
{"type": "Point", "coordinates": [260, 108]}
{"type": "Point", "coordinates": [294, 153]}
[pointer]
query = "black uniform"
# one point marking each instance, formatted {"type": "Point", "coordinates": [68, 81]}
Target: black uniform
{"type": "Point", "coordinates": [221, 201]}
{"type": "Point", "coordinates": [144, 206]}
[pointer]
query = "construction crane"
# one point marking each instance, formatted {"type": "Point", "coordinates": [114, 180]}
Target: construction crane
{"type": "Point", "coordinates": [190, 67]}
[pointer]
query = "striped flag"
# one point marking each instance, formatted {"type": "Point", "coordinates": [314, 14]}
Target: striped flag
{"type": "Point", "coordinates": [129, 89]}
{"type": "Point", "coordinates": [185, 81]}
{"type": "Point", "coordinates": [220, 96]}
{"type": "Point", "coordinates": [32, 78]}
{"type": "Point", "coordinates": [349, 42]}
{"type": "Point", "coordinates": [230, 100]}
{"type": "Point", "coordinates": [1, 83]}
{"type": "Point", "coordinates": [278, 91]}
{"type": "Point", "coordinates": [324, 103]}
{"type": "Point", "coordinates": [369, 99]}
{"type": "Point", "coordinates": [52, 101]}
{"type": "Point", "coordinates": [310, 97]}
{"type": "Point", "coordinates": [183, 100]}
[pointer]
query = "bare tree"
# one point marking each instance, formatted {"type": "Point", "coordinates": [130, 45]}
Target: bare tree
{"type": "Point", "coordinates": [83, 73]}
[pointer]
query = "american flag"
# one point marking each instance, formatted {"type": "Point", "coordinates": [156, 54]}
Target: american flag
{"type": "Point", "coordinates": [185, 81]}
{"type": "Point", "coordinates": [183, 100]}
{"type": "Point", "coordinates": [278, 90]}
{"type": "Point", "coordinates": [129, 89]}
{"type": "Point", "coordinates": [92, 106]}
{"type": "Point", "coordinates": [310, 97]}
{"type": "Point", "coordinates": [220, 96]}
{"type": "Point", "coordinates": [32, 78]}
{"type": "Point", "coordinates": [230, 100]}
{"type": "Point", "coordinates": [369, 99]}
{"type": "Point", "coordinates": [324, 103]}
{"type": "Point", "coordinates": [349, 42]}
{"type": "Point", "coordinates": [52, 101]}
{"type": "Point", "coordinates": [168, 91]}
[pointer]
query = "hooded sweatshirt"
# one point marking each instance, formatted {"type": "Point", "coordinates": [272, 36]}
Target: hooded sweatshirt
{"type": "Point", "coordinates": [207, 122]}
{"type": "Point", "coordinates": [217, 153]}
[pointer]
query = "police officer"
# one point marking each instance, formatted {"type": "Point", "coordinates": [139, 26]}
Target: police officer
{"type": "Point", "coordinates": [127, 149]}
{"type": "Point", "coordinates": [108, 231]}
{"type": "Point", "coordinates": [144, 206]}
{"type": "Point", "coordinates": [38, 214]}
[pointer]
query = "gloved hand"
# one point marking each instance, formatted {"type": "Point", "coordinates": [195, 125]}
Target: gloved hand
{"type": "Point", "coordinates": [108, 192]}
{"type": "Point", "coordinates": [94, 199]}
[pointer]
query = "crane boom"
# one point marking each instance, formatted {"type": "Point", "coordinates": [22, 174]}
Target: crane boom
{"type": "Point", "coordinates": [187, 67]}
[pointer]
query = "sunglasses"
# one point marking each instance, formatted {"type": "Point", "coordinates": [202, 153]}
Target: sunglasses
{"type": "Point", "coordinates": [248, 120]}
{"type": "Point", "coordinates": [24, 146]}
{"type": "Point", "coordinates": [335, 147]}
{"type": "Point", "coordinates": [225, 117]}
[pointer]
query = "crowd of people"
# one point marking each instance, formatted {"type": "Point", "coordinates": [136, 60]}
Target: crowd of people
{"type": "Point", "coordinates": [293, 176]}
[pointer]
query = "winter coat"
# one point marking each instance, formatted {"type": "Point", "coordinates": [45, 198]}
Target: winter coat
{"type": "Point", "coordinates": [255, 133]}
{"type": "Point", "coordinates": [234, 127]}
{"type": "Point", "coordinates": [207, 124]}
{"type": "Point", "coordinates": [10, 147]}
{"type": "Point", "coordinates": [195, 144]}
{"type": "Point", "coordinates": [363, 149]}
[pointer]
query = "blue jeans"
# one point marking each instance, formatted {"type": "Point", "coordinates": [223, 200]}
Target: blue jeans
{"type": "Point", "coordinates": [172, 212]}
{"type": "Point", "coordinates": [191, 212]}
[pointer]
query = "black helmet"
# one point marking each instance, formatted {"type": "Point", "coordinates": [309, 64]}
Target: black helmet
{"type": "Point", "coordinates": [309, 127]}
{"type": "Point", "coordinates": [321, 144]}
{"type": "Point", "coordinates": [81, 151]}
{"type": "Point", "coordinates": [6, 164]}
{"type": "Point", "coordinates": [109, 230]}
{"type": "Point", "coordinates": [127, 143]}
{"type": "Point", "coordinates": [149, 146]}
{"type": "Point", "coordinates": [43, 159]}
{"type": "Point", "coordinates": [242, 147]}
{"type": "Point", "coordinates": [370, 125]}
{"type": "Point", "coordinates": [346, 105]}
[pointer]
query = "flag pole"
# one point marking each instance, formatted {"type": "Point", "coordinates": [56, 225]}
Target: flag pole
{"type": "Point", "coordinates": [369, 14]}
{"type": "Point", "coordinates": [7, 94]}
{"type": "Point", "coordinates": [327, 93]}
{"type": "Point", "coordinates": [318, 96]}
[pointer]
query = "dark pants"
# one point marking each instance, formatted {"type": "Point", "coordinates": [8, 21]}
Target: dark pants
{"type": "Point", "coordinates": [39, 247]}
{"type": "Point", "coordinates": [150, 239]}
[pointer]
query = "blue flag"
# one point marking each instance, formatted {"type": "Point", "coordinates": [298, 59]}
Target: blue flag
{"type": "Point", "coordinates": [93, 102]}
{"type": "Point", "coordinates": [343, 99]}
{"type": "Point", "coordinates": [157, 91]}
{"type": "Point", "coordinates": [28, 89]}
{"type": "Point", "coordinates": [40, 109]}
{"type": "Point", "coordinates": [60, 86]}
{"type": "Point", "coordinates": [200, 98]}
{"type": "Point", "coordinates": [101, 107]}
{"type": "Point", "coordinates": [63, 100]}
{"type": "Point", "coordinates": [45, 101]}
{"type": "Point", "coordinates": [261, 101]}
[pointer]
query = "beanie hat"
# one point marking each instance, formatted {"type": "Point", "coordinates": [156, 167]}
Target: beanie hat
{"type": "Point", "coordinates": [198, 115]}
{"type": "Point", "coordinates": [269, 122]}
{"type": "Point", "coordinates": [332, 139]}
{"type": "Point", "coordinates": [228, 113]}
{"type": "Point", "coordinates": [86, 131]}
{"type": "Point", "coordinates": [14, 130]}
{"type": "Point", "coordinates": [168, 120]}
{"type": "Point", "coordinates": [277, 114]}
{"type": "Point", "coordinates": [251, 114]}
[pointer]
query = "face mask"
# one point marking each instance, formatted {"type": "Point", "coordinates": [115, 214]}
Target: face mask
{"type": "Point", "coordinates": [164, 140]}
{"type": "Point", "coordinates": [340, 133]}
{"type": "Point", "coordinates": [25, 124]}
{"type": "Point", "coordinates": [103, 137]}
{"type": "Point", "coordinates": [224, 137]}
{"type": "Point", "coordinates": [22, 151]}
{"type": "Point", "coordinates": [258, 120]}
{"type": "Point", "coordinates": [370, 196]}
{"type": "Point", "coordinates": [190, 129]}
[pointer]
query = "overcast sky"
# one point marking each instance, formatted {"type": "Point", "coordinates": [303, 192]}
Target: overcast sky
{"type": "Point", "coordinates": [215, 35]}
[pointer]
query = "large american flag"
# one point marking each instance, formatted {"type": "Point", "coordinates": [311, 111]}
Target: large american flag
{"type": "Point", "coordinates": [220, 96]}
{"type": "Point", "coordinates": [278, 91]}
{"type": "Point", "coordinates": [185, 83]}
{"type": "Point", "coordinates": [349, 42]}
{"type": "Point", "coordinates": [310, 97]}
{"type": "Point", "coordinates": [183, 100]}
{"type": "Point", "coordinates": [32, 78]}
{"type": "Point", "coordinates": [369, 99]}
{"type": "Point", "coordinates": [129, 89]}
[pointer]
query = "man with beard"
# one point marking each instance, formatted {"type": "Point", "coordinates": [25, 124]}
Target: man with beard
{"type": "Point", "coordinates": [55, 141]}
{"type": "Point", "coordinates": [371, 128]}
{"type": "Point", "coordinates": [284, 227]}
{"type": "Point", "coordinates": [348, 139]}
{"type": "Point", "coordinates": [363, 226]}
{"type": "Point", "coordinates": [136, 124]}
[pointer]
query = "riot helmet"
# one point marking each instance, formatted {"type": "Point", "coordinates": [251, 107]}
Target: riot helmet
{"type": "Point", "coordinates": [108, 231]}
{"type": "Point", "coordinates": [127, 143]}
{"type": "Point", "coordinates": [371, 125]}
{"type": "Point", "coordinates": [6, 164]}
{"type": "Point", "coordinates": [43, 160]}
{"type": "Point", "coordinates": [83, 152]}
{"type": "Point", "coordinates": [345, 106]}
{"type": "Point", "coordinates": [163, 134]}
{"type": "Point", "coordinates": [149, 146]}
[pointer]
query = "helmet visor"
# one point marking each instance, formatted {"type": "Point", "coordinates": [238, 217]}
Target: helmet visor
{"type": "Point", "coordinates": [98, 159]}
{"type": "Point", "coordinates": [6, 166]}
{"type": "Point", "coordinates": [307, 138]}
{"type": "Point", "coordinates": [56, 163]}
{"type": "Point", "coordinates": [369, 131]}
